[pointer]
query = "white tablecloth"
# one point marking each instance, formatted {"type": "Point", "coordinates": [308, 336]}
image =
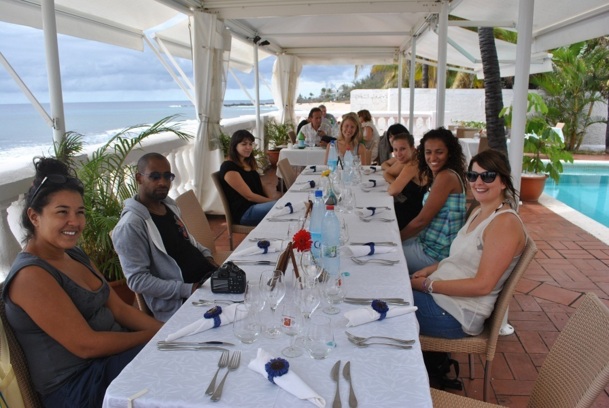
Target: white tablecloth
{"type": "Point", "coordinates": [382, 376]}
{"type": "Point", "coordinates": [470, 147]}
{"type": "Point", "coordinates": [302, 157]}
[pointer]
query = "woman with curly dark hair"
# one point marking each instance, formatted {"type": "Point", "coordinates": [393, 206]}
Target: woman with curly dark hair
{"type": "Point", "coordinates": [427, 238]}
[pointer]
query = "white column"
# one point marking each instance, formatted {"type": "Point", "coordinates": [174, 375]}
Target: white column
{"type": "Point", "coordinates": [400, 80]}
{"type": "Point", "coordinates": [413, 65]}
{"type": "Point", "coordinates": [10, 247]}
{"type": "Point", "coordinates": [259, 133]}
{"type": "Point", "coordinates": [442, 50]}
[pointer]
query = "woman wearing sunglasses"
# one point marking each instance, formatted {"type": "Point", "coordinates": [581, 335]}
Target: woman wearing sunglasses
{"type": "Point", "coordinates": [76, 333]}
{"type": "Point", "coordinates": [427, 238]}
{"type": "Point", "coordinates": [455, 296]}
{"type": "Point", "coordinates": [249, 203]}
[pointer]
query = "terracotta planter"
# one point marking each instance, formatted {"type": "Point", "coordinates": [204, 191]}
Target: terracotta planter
{"type": "Point", "coordinates": [531, 186]}
{"type": "Point", "coordinates": [273, 156]}
{"type": "Point", "coordinates": [123, 291]}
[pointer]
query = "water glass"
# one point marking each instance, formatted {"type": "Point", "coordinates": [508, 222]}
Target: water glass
{"type": "Point", "coordinates": [307, 295]}
{"type": "Point", "coordinates": [291, 324]}
{"type": "Point", "coordinates": [245, 326]}
{"type": "Point", "coordinates": [333, 288]}
{"type": "Point", "coordinates": [320, 337]}
{"type": "Point", "coordinates": [347, 199]}
{"type": "Point", "coordinates": [273, 287]}
{"type": "Point", "coordinates": [344, 232]}
{"type": "Point", "coordinates": [252, 297]}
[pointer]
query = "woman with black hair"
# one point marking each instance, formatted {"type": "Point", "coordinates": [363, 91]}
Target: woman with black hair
{"type": "Point", "coordinates": [427, 238]}
{"type": "Point", "coordinates": [249, 203]}
{"type": "Point", "coordinates": [76, 333]}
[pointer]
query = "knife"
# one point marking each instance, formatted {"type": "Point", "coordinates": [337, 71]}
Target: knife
{"type": "Point", "coordinates": [380, 243]}
{"type": "Point", "coordinates": [347, 375]}
{"type": "Point", "coordinates": [362, 208]}
{"type": "Point", "coordinates": [190, 343]}
{"type": "Point", "coordinates": [281, 219]}
{"type": "Point", "coordinates": [248, 262]}
{"type": "Point", "coordinates": [335, 376]}
{"type": "Point", "coordinates": [364, 301]}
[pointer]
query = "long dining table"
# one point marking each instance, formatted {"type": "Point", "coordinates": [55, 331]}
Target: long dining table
{"type": "Point", "coordinates": [302, 157]}
{"type": "Point", "coordinates": [382, 376]}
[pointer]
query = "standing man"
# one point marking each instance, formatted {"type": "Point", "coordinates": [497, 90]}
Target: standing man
{"type": "Point", "coordinates": [326, 117]}
{"type": "Point", "coordinates": [159, 257]}
{"type": "Point", "coordinates": [314, 130]}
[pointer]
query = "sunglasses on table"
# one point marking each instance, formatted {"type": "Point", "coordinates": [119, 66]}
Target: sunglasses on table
{"type": "Point", "coordinates": [156, 176]}
{"type": "Point", "coordinates": [487, 176]}
{"type": "Point", "coordinates": [56, 179]}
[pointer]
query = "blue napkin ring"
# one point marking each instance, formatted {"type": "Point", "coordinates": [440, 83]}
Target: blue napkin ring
{"type": "Point", "coordinates": [371, 245]}
{"type": "Point", "coordinates": [291, 208]}
{"type": "Point", "coordinates": [276, 367]}
{"type": "Point", "coordinates": [380, 307]}
{"type": "Point", "coordinates": [314, 168]}
{"type": "Point", "coordinates": [373, 182]}
{"type": "Point", "coordinates": [373, 169]}
{"type": "Point", "coordinates": [264, 244]}
{"type": "Point", "coordinates": [214, 313]}
{"type": "Point", "coordinates": [373, 209]}
{"type": "Point", "coordinates": [312, 183]}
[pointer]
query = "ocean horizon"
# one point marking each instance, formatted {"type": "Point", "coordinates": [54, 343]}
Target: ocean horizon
{"type": "Point", "coordinates": [24, 134]}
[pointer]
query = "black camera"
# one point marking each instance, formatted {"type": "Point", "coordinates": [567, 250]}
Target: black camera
{"type": "Point", "coordinates": [228, 278]}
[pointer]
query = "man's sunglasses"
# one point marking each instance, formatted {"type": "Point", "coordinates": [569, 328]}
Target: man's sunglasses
{"type": "Point", "coordinates": [487, 176]}
{"type": "Point", "coordinates": [56, 179]}
{"type": "Point", "coordinates": [156, 176]}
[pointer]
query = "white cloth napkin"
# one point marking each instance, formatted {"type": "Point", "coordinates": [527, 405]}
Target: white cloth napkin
{"type": "Point", "coordinates": [285, 210]}
{"type": "Point", "coordinates": [255, 250]}
{"type": "Point", "coordinates": [316, 168]}
{"type": "Point", "coordinates": [290, 381]}
{"type": "Point", "coordinates": [368, 314]}
{"type": "Point", "coordinates": [364, 250]}
{"type": "Point", "coordinates": [369, 211]}
{"type": "Point", "coordinates": [373, 183]}
{"type": "Point", "coordinates": [307, 186]}
{"type": "Point", "coordinates": [371, 169]}
{"type": "Point", "coordinates": [226, 317]}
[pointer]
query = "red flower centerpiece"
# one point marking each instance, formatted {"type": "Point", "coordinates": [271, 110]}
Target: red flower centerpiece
{"type": "Point", "coordinates": [302, 240]}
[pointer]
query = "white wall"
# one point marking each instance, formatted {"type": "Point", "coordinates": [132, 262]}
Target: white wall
{"type": "Point", "coordinates": [461, 104]}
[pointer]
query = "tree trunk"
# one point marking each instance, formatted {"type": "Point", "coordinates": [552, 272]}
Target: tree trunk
{"type": "Point", "coordinates": [425, 75]}
{"type": "Point", "coordinates": [495, 126]}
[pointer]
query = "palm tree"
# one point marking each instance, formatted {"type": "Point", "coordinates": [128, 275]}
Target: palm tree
{"type": "Point", "coordinates": [495, 125]}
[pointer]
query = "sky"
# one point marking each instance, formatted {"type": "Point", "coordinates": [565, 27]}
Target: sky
{"type": "Point", "coordinates": [97, 72]}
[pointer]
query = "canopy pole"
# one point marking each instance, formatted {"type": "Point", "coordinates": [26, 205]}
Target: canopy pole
{"type": "Point", "coordinates": [257, 90]}
{"type": "Point", "coordinates": [400, 80]}
{"type": "Point", "coordinates": [49, 27]}
{"type": "Point", "coordinates": [442, 51]}
{"type": "Point", "coordinates": [413, 65]}
{"type": "Point", "coordinates": [521, 87]}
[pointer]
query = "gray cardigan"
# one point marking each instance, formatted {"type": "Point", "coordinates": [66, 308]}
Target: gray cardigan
{"type": "Point", "coordinates": [148, 268]}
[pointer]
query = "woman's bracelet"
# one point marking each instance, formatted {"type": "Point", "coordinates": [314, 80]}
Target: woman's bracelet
{"type": "Point", "coordinates": [428, 286]}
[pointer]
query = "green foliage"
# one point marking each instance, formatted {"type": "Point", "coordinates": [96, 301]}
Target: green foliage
{"type": "Point", "coordinates": [276, 134]}
{"type": "Point", "coordinates": [108, 181]}
{"type": "Point", "coordinates": [541, 141]}
{"type": "Point", "coordinates": [471, 124]}
{"type": "Point", "coordinates": [224, 140]}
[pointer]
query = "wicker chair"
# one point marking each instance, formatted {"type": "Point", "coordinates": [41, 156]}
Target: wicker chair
{"type": "Point", "coordinates": [196, 221]}
{"type": "Point", "coordinates": [486, 342]}
{"type": "Point", "coordinates": [575, 371]}
{"type": "Point", "coordinates": [19, 363]}
{"type": "Point", "coordinates": [231, 226]}
{"type": "Point", "coordinates": [287, 173]}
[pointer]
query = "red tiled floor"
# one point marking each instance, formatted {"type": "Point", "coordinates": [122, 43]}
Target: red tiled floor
{"type": "Point", "coordinates": [569, 263]}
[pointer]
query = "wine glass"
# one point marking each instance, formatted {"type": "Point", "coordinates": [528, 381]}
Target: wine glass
{"type": "Point", "coordinates": [333, 288]}
{"type": "Point", "coordinates": [245, 326]}
{"type": "Point", "coordinates": [272, 286]}
{"type": "Point", "coordinates": [253, 299]}
{"type": "Point", "coordinates": [310, 266]}
{"type": "Point", "coordinates": [307, 295]}
{"type": "Point", "coordinates": [291, 324]}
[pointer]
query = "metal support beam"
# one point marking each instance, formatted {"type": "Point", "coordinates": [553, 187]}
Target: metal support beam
{"type": "Point", "coordinates": [412, 86]}
{"type": "Point", "coordinates": [442, 53]}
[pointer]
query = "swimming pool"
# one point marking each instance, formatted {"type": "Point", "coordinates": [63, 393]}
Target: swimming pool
{"type": "Point", "coordinates": [584, 186]}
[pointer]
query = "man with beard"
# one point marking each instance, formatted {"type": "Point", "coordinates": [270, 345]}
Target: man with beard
{"type": "Point", "coordinates": [159, 257]}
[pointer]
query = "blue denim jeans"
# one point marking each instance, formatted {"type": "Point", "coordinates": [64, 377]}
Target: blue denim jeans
{"type": "Point", "coordinates": [416, 258]}
{"type": "Point", "coordinates": [435, 321]}
{"type": "Point", "coordinates": [256, 213]}
{"type": "Point", "coordinates": [87, 389]}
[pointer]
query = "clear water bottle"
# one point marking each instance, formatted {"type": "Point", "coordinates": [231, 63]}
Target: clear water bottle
{"type": "Point", "coordinates": [347, 167]}
{"type": "Point", "coordinates": [332, 157]}
{"type": "Point", "coordinates": [317, 219]}
{"type": "Point", "coordinates": [330, 242]}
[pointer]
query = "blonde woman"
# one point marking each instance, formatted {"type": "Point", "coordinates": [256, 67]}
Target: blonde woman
{"type": "Point", "coordinates": [350, 137]}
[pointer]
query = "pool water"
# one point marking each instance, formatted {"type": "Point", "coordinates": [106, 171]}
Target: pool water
{"type": "Point", "coordinates": [584, 186]}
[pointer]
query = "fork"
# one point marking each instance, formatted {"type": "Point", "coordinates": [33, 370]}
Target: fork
{"type": "Point", "coordinates": [232, 366]}
{"type": "Point", "coordinates": [374, 260]}
{"type": "Point", "coordinates": [223, 362]}
{"type": "Point", "coordinates": [370, 219]}
{"type": "Point", "coordinates": [357, 339]}
{"type": "Point", "coordinates": [364, 345]}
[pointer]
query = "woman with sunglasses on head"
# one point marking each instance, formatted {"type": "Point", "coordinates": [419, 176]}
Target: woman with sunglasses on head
{"type": "Point", "coordinates": [429, 235]}
{"type": "Point", "coordinates": [249, 203]}
{"type": "Point", "coordinates": [455, 296]}
{"type": "Point", "coordinates": [349, 138]}
{"type": "Point", "coordinates": [76, 333]}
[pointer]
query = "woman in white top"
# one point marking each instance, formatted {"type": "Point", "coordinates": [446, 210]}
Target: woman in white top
{"type": "Point", "coordinates": [370, 134]}
{"type": "Point", "coordinates": [455, 296]}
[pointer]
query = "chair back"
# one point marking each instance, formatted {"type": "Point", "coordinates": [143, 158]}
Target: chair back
{"type": "Point", "coordinates": [287, 172]}
{"type": "Point", "coordinates": [483, 144]}
{"type": "Point", "coordinates": [195, 219]}
{"type": "Point", "coordinates": [292, 136]}
{"type": "Point", "coordinates": [576, 370]}
{"type": "Point", "coordinates": [495, 321]}
{"type": "Point", "coordinates": [19, 362]}
{"type": "Point", "coordinates": [231, 226]}
{"type": "Point", "coordinates": [141, 304]}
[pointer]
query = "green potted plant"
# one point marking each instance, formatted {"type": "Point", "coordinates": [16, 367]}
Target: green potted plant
{"type": "Point", "coordinates": [544, 150]}
{"type": "Point", "coordinates": [468, 128]}
{"type": "Point", "coordinates": [108, 180]}
{"type": "Point", "coordinates": [276, 137]}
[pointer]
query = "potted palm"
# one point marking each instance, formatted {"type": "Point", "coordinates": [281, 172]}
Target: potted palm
{"type": "Point", "coordinates": [544, 149]}
{"type": "Point", "coordinates": [108, 180]}
{"type": "Point", "coordinates": [276, 137]}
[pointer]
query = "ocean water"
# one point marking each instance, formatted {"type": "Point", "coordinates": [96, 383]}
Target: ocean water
{"type": "Point", "coordinates": [24, 134]}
